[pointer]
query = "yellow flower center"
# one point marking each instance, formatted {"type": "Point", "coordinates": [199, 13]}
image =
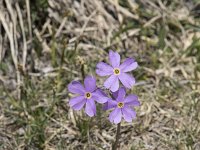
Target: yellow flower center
{"type": "Point", "coordinates": [120, 105]}
{"type": "Point", "coordinates": [116, 71]}
{"type": "Point", "coordinates": [88, 95]}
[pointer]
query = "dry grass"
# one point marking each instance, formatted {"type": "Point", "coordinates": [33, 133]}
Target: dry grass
{"type": "Point", "coordinates": [44, 44]}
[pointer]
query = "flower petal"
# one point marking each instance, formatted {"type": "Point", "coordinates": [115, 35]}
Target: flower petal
{"type": "Point", "coordinates": [115, 116]}
{"type": "Point", "coordinates": [115, 94]}
{"type": "Point", "coordinates": [73, 101]}
{"type": "Point", "coordinates": [104, 69]}
{"type": "Point", "coordinates": [132, 100]}
{"type": "Point", "coordinates": [76, 88]}
{"type": "Point", "coordinates": [114, 58]}
{"type": "Point", "coordinates": [109, 104]}
{"type": "Point", "coordinates": [128, 114]}
{"type": "Point", "coordinates": [90, 83]}
{"type": "Point", "coordinates": [112, 83]}
{"type": "Point", "coordinates": [128, 65]}
{"type": "Point", "coordinates": [127, 80]}
{"type": "Point", "coordinates": [100, 96]}
{"type": "Point", "coordinates": [77, 103]}
{"type": "Point", "coordinates": [115, 85]}
{"type": "Point", "coordinates": [118, 118]}
{"type": "Point", "coordinates": [121, 94]}
{"type": "Point", "coordinates": [90, 108]}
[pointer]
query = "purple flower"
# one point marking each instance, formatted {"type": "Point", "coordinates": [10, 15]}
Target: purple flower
{"type": "Point", "coordinates": [117, 72]}
{"type": "Point", "coordinates": [122, 106]}
{"type": "Point", "coordinates": [86, 95]}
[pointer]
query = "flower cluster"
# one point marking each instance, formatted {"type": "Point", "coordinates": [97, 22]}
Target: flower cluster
{"type": "Point", "coordinates": [121, 104]}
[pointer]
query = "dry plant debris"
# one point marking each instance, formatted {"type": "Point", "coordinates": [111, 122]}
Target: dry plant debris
{"type": "Point", "coordinates": [44, 44]}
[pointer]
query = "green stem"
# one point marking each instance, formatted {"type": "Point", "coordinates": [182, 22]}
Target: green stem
{"type": "Point", "coordinates": [115, 145]}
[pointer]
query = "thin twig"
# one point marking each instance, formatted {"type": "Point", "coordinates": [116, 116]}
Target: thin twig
{"type": "Point", "coordinates": [8, 27]}
{"type": "Point", "coordinates": [29, 18]}
{"type": "Point", "coordinates": [23, 35]}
